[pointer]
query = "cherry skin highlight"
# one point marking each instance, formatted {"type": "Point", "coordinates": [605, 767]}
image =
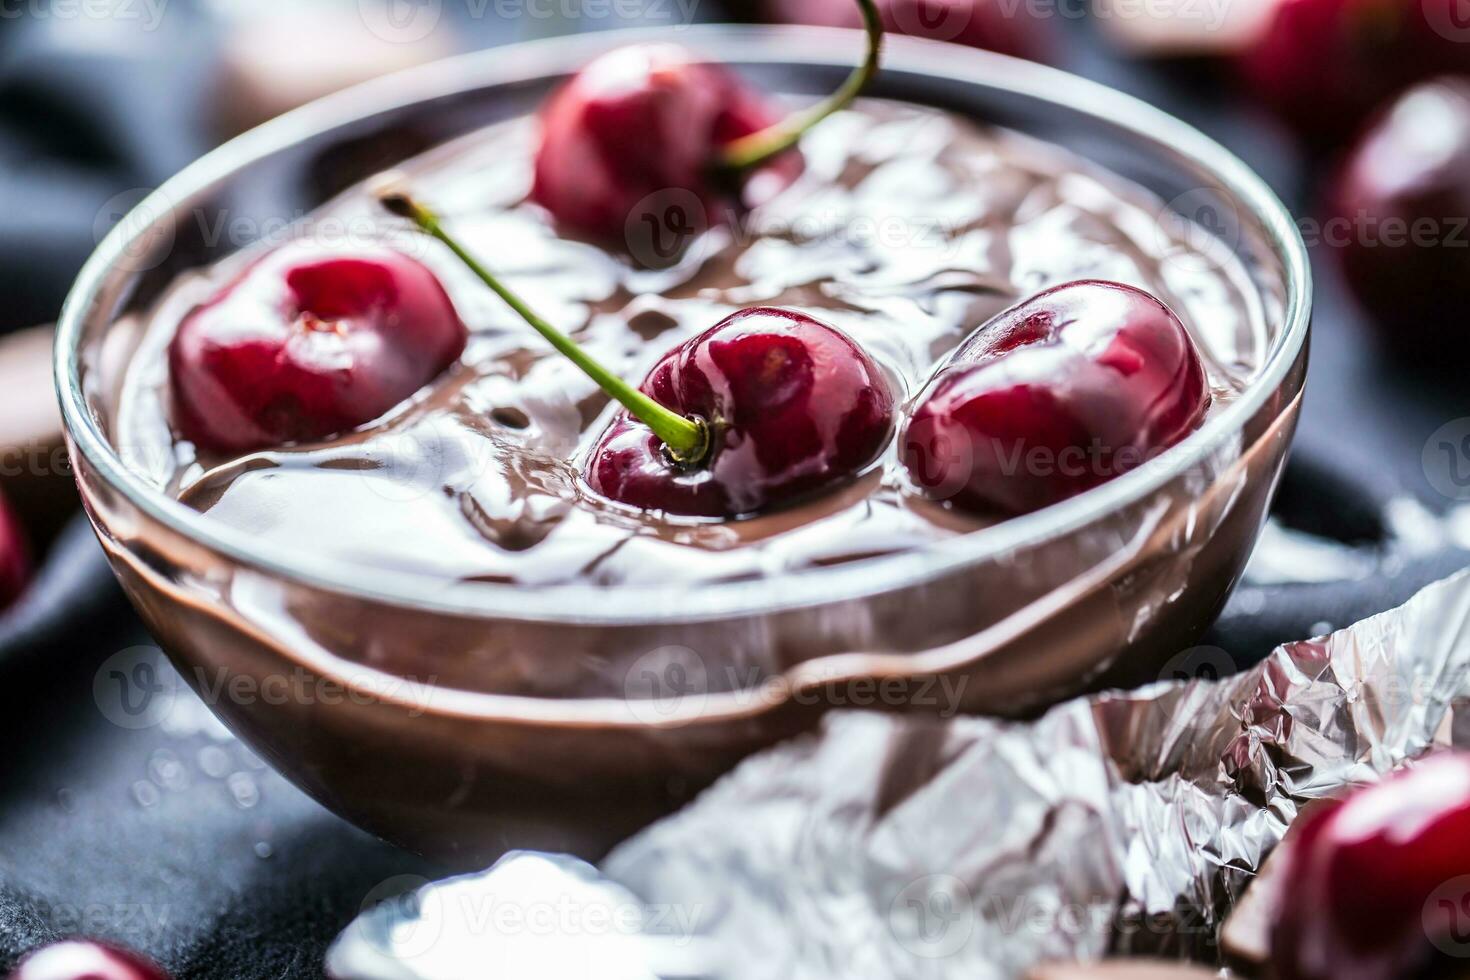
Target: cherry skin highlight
{"type": "Point", "coordinates": [1325, 65]}
{"type": "Point", "coordinates": [1374, 880]}
{"type": "Point", "coordinates": [1073, 387]}
{"type": "Point", "coordinates": [1398, 221]}
{"type": "Point", "coordinates": [985, 24]}
{"type": "Point", "coordinates": [793, 407]}
{"type": "Point", "coordinates": [78, 959]}
{"type": "Point", "coordinates": [638, 125]}
{"type": "Point", "coordinates": [15, 556]}
{"type": "Point", "coordinates": [309, 342]}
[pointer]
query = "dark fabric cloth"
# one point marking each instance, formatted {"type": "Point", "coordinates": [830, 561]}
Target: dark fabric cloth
{"type": "Point", "coordinates": [177, 842]}
{"type": "Point", "coordinates": [92, 112]}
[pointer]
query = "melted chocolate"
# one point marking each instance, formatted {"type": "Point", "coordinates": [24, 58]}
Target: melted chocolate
{"type": "Point", "coordinates": [908, 229]}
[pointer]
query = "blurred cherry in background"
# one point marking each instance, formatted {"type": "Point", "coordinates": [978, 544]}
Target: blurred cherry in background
{"type": "Point", "coordinates": [1398, 221]}
{"type": "Point", "coordinates": [15, 557]}
{"type": "Point", "coordinates": [1324, 65]}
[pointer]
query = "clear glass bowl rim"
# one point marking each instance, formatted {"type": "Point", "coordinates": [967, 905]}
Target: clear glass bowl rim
{"type": "Point", "coordinates": [588, 604]}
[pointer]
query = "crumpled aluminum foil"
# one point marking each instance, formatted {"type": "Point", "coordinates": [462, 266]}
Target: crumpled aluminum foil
{"type": "Point", "coordinates": [893, 846]}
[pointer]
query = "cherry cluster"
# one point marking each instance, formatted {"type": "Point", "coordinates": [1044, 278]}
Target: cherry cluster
{"type": "Point", "coordinates": [764, 408]}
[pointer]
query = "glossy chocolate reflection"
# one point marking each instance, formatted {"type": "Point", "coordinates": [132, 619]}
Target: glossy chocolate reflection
{"type": "Point", "coordinates": [907, 229]}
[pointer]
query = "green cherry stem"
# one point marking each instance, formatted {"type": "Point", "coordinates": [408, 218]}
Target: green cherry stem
{"type": "Point", "coordinates": [687, 439]}
{"type": "Point", "coordinates": [760, 147]}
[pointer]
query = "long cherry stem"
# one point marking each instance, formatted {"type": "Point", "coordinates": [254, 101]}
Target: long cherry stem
{"type": "Point", "coordinates": [760, 147]}
{"type": "Point", "coordinates": [687, 439]}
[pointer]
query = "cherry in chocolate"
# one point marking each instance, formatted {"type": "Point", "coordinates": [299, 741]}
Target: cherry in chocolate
{"type": "Point", "coordinates": [1374, 884]}
{"type": "Point", "coordinates": [1073, 387]}
{"type": "Point", "coordinates": [766, 406]}
{"type": "Point", "coordinates": [638, 131]}
{"type": "Point", "coordinates": [1325, 65]}
{"type": "Point", "coordinates": [78, 959]}
{"type": "Point", "coordinates": [1399, 216]}
{"type": "Point", "coordinates": [793, 406]}
{"type": "Point", "coordinates": [631, 126]}
{"type": "Point", "coordinates": [309, 342]}
{"type": "Point", "coordinates": [15, 561]}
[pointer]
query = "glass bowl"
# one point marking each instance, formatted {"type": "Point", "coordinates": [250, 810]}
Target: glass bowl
{"type": "Point", "coordinates": [462, 719]}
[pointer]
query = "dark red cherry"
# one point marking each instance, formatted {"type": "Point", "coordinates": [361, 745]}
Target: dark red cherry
{"type": "Point", "coordinates": [1376, 881]}
{"type": "Point", "coordinates": [766, 406]}
{"type": "Point", "coordinates": [309, 342]}
{"type": "Point", "coordinates": [15, 556]}
{"type": "Point", "coordinates": [993, 25]}
{"type": "Point", "coordinates": [1324, 65]}
{"type": "Point", "coordinates": [792, 404]}
{"type": "Point", "coordinates": [1073, 387]}
{"type": "Point", "coordinates": [1400, 220]}
{"type": "Point", "coordinates": [636, 124]}
{"type": "Point", "coordinates": [78, 959]}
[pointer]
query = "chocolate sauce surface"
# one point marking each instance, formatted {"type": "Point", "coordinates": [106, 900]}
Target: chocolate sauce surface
{"type": "Point", "coordinates": [908, 229]}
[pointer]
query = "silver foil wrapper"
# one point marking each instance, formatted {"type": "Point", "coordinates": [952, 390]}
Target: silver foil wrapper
{"type": "Point", "coordinates": [899, 846]}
